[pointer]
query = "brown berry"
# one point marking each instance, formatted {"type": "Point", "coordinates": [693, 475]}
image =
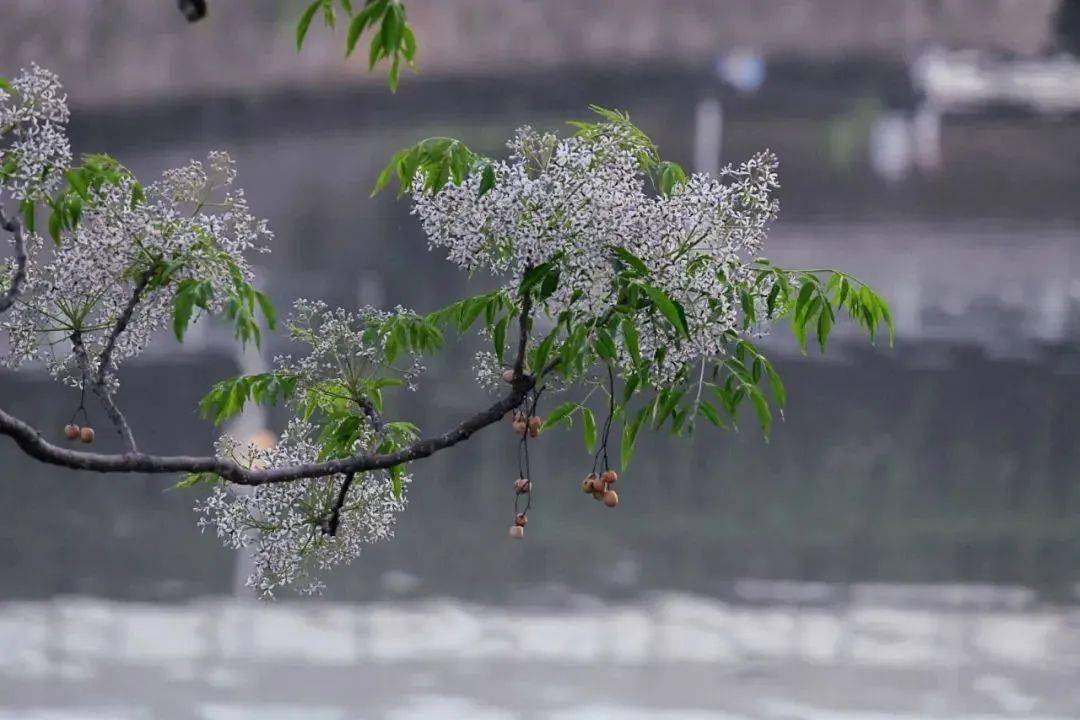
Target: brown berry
{"type": "Point", "coordinates": [508, 376]}
{"type": "Point", "coordinates": [586, 486]}
{"type": "Point", "coordinates": [521, 520]}
{"type": "Point", "coordinates": [86, 434]}
{"type": "Point", "coordinates": [519, 427]}
{"type": "Point", "coordinates": [516, 531]}
{"type": "Point", "coordinates": [534, 432]}
{"type": "Point", "coordinates": [522, 486]}
{"type": "Point", "coordinates": [71, 431]}
{"type": "Point", "coordinates": [609, 477]}
{"type": "Point", "coordinates": [597, 495]}
{"type": "Point", "coordinates": [535, 422]}
{"type": "Point", "coordinates": [611, 498]}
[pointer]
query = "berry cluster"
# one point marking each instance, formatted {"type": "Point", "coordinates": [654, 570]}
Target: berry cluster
{"type": "Point", "coordinates": [599, 486]}
{"type": "Point", "coordinates": [83, 434]}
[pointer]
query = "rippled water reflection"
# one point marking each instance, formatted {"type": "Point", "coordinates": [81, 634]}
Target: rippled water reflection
{"type": "Point", "coordinates": [891, 652]}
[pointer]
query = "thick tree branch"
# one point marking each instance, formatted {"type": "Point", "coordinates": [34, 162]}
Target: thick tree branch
{"type": "Point", "coordinates": [31, 442]}
{"type": "Point", "coordinates": [18, 275]}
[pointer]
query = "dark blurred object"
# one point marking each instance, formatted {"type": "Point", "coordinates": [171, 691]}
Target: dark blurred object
{"type": "Point", "coordinates": [193, 10]}
{"type": "Point", "coordinates": [1067, 26]}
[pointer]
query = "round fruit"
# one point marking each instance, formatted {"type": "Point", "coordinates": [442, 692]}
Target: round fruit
{"type": "Point", "coordinates": [516, 531]}
{"type": "Point", "coordinates": [71, 431]}
{"type": "Point", "coordinates": [521, 520]}
{"type": "Point", "coordinates": [611, 498]}
{"type": "Point", "coordinates": [534, 433]}
{"type": "Point", "coordinates": [522, 486]}
{"type": "Point", "coordinates": [597, 495]}
{"type": "Point", "coordinates": [586, 486]}
{"type": "Point", "coordinates": [508, 376]}
{"type": "Point", "coordinates": [535, 422]}
{"type": "Point", "coordinates": [609, 477]}
{"type": "Point", "coordinates": [86, 434]}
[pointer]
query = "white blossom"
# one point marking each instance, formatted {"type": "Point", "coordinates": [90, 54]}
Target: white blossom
{"type": "Point", "coordinates": [284, 524]}
{"type": "Point", "coordinates": [575, 200]}
{"type": "Point", "coordinates": [191, 219]}
{"type": "Point", "coordinates": [35, 149]}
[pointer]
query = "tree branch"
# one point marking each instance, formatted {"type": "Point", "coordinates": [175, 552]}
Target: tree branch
{"type": "Point", "coordinates": [18, 276]}
{"type": "Point", "coordinates": [31, 442]}
{"type": "Point", "coordinates": [97, 385]}
{"type": "Point", "coordinates": [330, 525]}
{"type": "Point", "coordinates": [98, 378]}
{"type": "Point", "coordinates": [121, 324]}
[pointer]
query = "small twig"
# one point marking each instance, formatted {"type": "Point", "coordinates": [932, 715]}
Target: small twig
{"type": "Point", "coordinates": [121, 325]}
{"type": "Point", "coordinates": [330, 526]}
{"type": "Point", "coordinates": [98, 387]}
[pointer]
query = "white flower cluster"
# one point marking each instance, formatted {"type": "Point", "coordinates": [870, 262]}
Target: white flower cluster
{"type": "Point", "coordinates": [575, 200]}
{"type": "Point", "coordinates": [35, 150]}
{"type": "Point", "coordinates": [284, 524]}
{"type": "Point", "coordinates": [342, 345]}
{"type": "Point", "coordinates": [191, 220]}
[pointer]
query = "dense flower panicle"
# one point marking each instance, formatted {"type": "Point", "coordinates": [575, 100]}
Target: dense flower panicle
{"type": "Point", "coordinates": [340, 344]}
{"type": "Point", "coordinates": [284, 524]}
{"type": "Point", "coordinates": [34, 147]}
{"type": "Point", "coordinates": [576, 199]}
{"type": "Point", "coordinates": [190, 218]}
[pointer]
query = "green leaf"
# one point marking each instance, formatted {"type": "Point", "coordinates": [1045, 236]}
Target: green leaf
{"type": "Point", "coordinates": [28, 215]}
{"type": "Point", "coordinates": [824, 325]}
{"type": "Point", "coordinates": [604, 345]}
{"type": "Point", "coordinates": [397, 481]}
{"type": "Point", "coordinates": [189, 295]}
{"type": "Point", "coordinates": [632, 262]}
{"type": "Point", "coordinates": [498, 337]}
{"type": "Point", "coordinates": [629, 438]}
{"type": "Point", "coordinates": [779, 394]}
{"type": "Point", "coordinates": [589, 429]}
{"type": "Point", "coordinates": [487, 179]}
{"type": "Point", "coordinates": [559, 414]}
{"type": "Point", "coordinates": [267, 309]}
{"type": "Point", "coordinates": [630, 337]}
{"type": "Point", "coordinates": [305, 23]}
{"type": "Point", "coordinates": [193, 479]}
{"type": "Point", "coordinates": [761, 406]}
{"type": "Point", "coordinates": [668, 308]}
{"type": "Point", "coordinates": [670, 175]}
{"type": "Point", "coordinates": [706, 408]}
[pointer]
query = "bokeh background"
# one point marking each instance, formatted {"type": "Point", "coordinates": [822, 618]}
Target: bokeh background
{"type": "Point", "coordinates": [907, 545]}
